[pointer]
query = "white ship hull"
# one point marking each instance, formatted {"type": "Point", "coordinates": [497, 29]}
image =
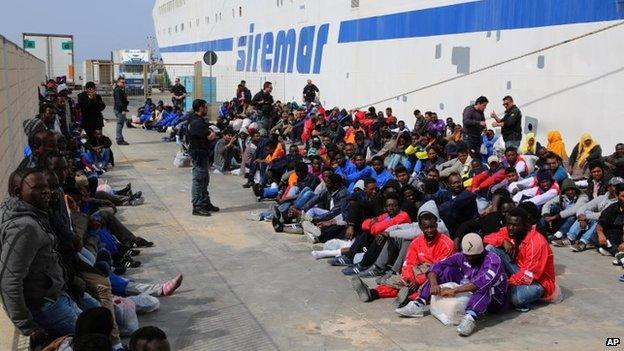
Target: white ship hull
{"type": "Point", "coordinates": [384, 49]}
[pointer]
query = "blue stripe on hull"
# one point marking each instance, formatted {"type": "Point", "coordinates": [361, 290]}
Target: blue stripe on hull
{"type": "Point", "coordinates": [479, 16]}
{"type": "Point", "coordinates": [215, 45]}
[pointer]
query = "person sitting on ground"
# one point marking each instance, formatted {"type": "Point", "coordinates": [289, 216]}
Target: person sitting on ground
{"type": "Point", "coordinates": [362, 171]}
{"type": "Point", "coordinates": [424, 251]}
{"type": "Point", "coordinates": [559, 214]}
{"type": "Point", "coordinates": [511, 176]}
{"type": "Point", "coordinates": [587, 217]}
{"type": "Point", "coordinates": [433, 160]}
{"type": "Point", "coordinates": [598, 182]}
{"type": "Point", "coordinates": [460, 164]}
{"type": "Point", "coordinates": [528, 260]}
{"type": "Point", "coordinates": [475, 270]}
{"type": "Point", "coordinates": [461, 207]}
{"type": "Point", "coordinates": [483, 181]}
{"type": "Point", "coordinates": [585, 152]}
{"type": "Point", "coordinates": [32, 279]}
{"type": "Point", "coordinates": [325, 215]}
{"type": "Point", "coordinates": [39, 142]}
{"type": "Point", "coordinates": [97, 320]}
{"type": "Point", "coordinates": [380, 173]}
{"type": "Point", "coordinates": [615, 161]}
{"type": "Point", "coordinates": [555, 165]}
{"type": "Point", "coordinates": [432, 189]}
{"type": "Point", "coordinates": [513, 159]}
{"type": "Point", "coordinates": [530, 145]}
{"type": "Point", "coordinates": [375, 229]}
{"type": "Point", "coordinates": [226, 151]}
{"type": "Point", "coordinates": [149, 339]}
{"type": "Point", "coordinates": [610, 225]}
{"type": "Point", "coordinates": [486, 224]}
{"type": "Point", "coordinates": [99, 148]}
{"type": "Point", "coordinates": [556, 144]}
{"type": "Point", "coordinates": [541, 189]}
{"type": "Point", "coordinates": [343, 166]}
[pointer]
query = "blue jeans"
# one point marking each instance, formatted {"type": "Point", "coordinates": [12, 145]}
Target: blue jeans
{"type": "Point", "coordinates": [304, 196]}
{"type": "Point", "coordinates": [519, 295]}
{"type": "Point", "coordinates": [523, 295]}
{"type": "Point", "coordinates": [57, 318]}
{"type": "Point", "coordinates": [201, 178]}
{"type": "Point", "coordinates": [590, 233]}
{"type": "Point", "coordinates": [121, 120]}
{"type": "Point", "coordinates": [103, 158]}
{"type": "Point", "coordinates": [510, 266]}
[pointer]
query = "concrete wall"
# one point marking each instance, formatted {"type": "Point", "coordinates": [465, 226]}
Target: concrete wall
{"type": "Point", "coordinates": [20, 75]}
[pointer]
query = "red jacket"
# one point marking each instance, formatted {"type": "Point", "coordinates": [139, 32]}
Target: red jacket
{"type": "Point", "coordinates": [497, 239]}
{"type": "Point", "coordinates": [535, 260]}
{"type": "Point", "coordinates": [484, 180]}
{"type": "Point", "coordinates": [420, 252]}
{"type": "Point", "coordinates": [384, 222]}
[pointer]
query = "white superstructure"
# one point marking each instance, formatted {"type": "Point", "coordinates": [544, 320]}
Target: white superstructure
{"type": "Point", "coordinates": [361, 52]}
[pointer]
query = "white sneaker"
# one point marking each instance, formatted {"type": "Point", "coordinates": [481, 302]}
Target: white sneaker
{"type": "Point", "coordinates": [466, 326]}
{"type": "Point", "coordinates": [311, 231]}
{"type": "Point", "coordinates": [558, 235]}
{"type": "Point", "coordinates": [604, 252]}
{"type": "Point", "coordinates": [412, 310]}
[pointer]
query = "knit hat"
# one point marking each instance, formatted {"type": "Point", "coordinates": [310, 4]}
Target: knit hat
{"type": "Point", "coordinates": [33, 126]}
{"type": "Point", "coordinates": [568, 184]}
{"type": "Point", "coordinates": [472, 244]}
{"type": "Point", "coordinates": [544, 174]}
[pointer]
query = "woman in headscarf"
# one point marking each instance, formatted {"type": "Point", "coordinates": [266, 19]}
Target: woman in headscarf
{"type": "Point", "coordinates": [585, 152]}
{"type": "Point", "coordinates": [556, 145]}
{"type": "Point", "coordinates": [529, 145]}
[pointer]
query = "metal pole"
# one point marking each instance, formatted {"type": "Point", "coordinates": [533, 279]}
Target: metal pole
{"type": "Point", "coordinates": [145, 82]}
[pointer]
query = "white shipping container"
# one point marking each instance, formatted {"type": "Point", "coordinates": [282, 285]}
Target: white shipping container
{"type": "Point", "coordinates": [56, 50]}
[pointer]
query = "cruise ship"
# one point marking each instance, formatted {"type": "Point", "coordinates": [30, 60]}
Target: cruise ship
{"type": "Point", "coordinates": [561, 60]}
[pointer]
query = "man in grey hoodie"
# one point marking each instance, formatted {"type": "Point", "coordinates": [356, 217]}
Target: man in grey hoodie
{"type": "Point", "coordinates": [32, 280]}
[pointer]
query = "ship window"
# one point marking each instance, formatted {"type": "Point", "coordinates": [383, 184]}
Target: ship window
{"type": "Point", "coordinates": [181, 27]}
{"type": "Point", "coordinates": [355, 3]}
{"type": "Point", "coordinates": [197, 22]}
{"type": "Point", "coordinates": [169, 30]}
{"type": "Point", "coordinates": [207, 19]}
{"type": "Point", "coordinates": [220, 16]}
{"type": "Point", "coordinates": [190, 24]}
{"type": "Point", "coordinates": [176, 28]}
{"type": "Point", "coordinates": [216, 17]}
{"type": "Point", "coordinates": [240, 11]}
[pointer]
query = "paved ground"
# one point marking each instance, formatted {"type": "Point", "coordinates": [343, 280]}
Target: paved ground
{"type": "Point", "coordinates": [248, 288]}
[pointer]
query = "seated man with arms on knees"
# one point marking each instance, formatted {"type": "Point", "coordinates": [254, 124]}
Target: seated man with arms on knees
{"type": "Point", "coordinates": [423, 251]}
{"type": "Point", "coordinates": [528, 260]}
{"type": "Point", "coordinates": [32, 280]}
{"type": "Point", "coordinates": [477, 271]}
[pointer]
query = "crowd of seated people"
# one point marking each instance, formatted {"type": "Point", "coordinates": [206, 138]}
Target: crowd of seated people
{"type": "Point", "coordinates": [418, 206]}
{"type": "Point", "coordinates": [66, 257]}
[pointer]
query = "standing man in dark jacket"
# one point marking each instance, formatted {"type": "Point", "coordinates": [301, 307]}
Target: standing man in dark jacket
{"type": "Point", "coordinates": [474, 123]}
{"type": "Point", "coordinates": [310, 92]}
{"type": "Point", "coordinates": [32, 280]}
{"type": "Point", "coordinates": [200, 135]}
{"type": "Point", "coordinates": [178, 94]}
{"type": "Point", "coordinates": [511, 123]}
{"type": "Point", "coordinates": [263, 101]}
{"type": "Point", "coordinates": [120, 108]}
{"type": "Point", "coordinates": [91, 107]}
